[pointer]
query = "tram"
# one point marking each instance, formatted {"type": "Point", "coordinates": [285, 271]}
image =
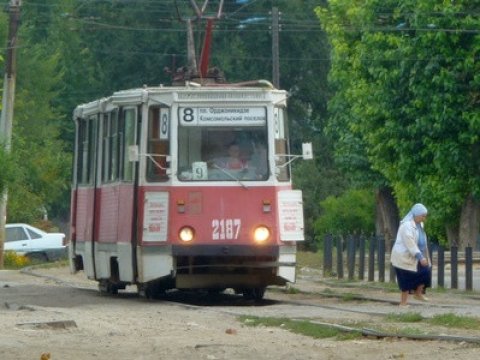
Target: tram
{"type": "Point", "coordinates": [186, 187]}
{"type": "Point", "coordinates": [152, 205]}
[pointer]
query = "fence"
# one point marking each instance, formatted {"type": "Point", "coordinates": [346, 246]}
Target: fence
{"type": "Point", "coordinates": [362, 255]}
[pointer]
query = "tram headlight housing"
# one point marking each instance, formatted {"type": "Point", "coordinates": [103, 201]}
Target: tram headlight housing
{"type": "Point", "coordinates": [186, 234]}
{"type": "Point", "coordinates": [261, 234]}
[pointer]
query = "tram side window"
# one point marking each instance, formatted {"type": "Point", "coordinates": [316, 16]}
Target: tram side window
{"type": "Point", "coordinates": [128, 138]}
{"type": "Point", "coordinates": [282, 150]}
{"type": "Point", "coordinates": [110, 143]}
{"type": "Point", "coordinates": [86, 150]}
{"type": "Point", "coordinates": [158, 145]}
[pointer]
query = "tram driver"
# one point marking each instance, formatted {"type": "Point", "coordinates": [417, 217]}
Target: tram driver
{"type": "Point", "coordinates": [234, 160]}
{"type": "Point", "coordinates": [242, 162]}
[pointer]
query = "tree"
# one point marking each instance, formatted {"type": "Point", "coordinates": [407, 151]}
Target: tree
{"type": "Point", "coordinates": [317, 183]}
{"type": "Point", "coordinates": [350, 148]}
{"type": "Point", "coordinates": [407, 89]}
{"type": "Point", "coordinates": [7, 173]}
{"type": "Point", "coordinates": [41, 160]}
{"type": "Point", "coordinates": [346, 214]}
{"type": "Point", "coordinates": [41, 163]}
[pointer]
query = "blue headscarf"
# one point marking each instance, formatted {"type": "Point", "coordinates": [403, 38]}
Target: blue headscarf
{"type": "Point", "coordinates": [418, 210]}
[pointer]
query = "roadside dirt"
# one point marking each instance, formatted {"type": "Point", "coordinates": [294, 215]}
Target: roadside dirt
{"type": "Point", "coordinates": [64, 315]}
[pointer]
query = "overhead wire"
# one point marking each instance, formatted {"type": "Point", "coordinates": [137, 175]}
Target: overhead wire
{"type": "Point", "coordinates": [288, 25]}
{"type": "Point", "coordinates": [262, 26]}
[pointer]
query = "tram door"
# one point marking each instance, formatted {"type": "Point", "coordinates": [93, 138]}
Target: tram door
{"type": "Point", "coordinates": [83, 206]}
{"type": "Point", "coordinates": [114, 198]}
{"type": "Point", "coordinates": [104, 194]}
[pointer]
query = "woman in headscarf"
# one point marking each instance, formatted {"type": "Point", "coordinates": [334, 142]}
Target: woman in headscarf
{"type": "Point", "coordinates": [410, 255]}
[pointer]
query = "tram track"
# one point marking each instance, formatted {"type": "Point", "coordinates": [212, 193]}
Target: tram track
{"type": "Point", "coordinates": [364, 331]}
{"type": "Point", "coordinates": [60, 309]}
{"type": "Point", "coordinates": [199, 299]}
{"type": "Point", "coordinates": [324, 309]}
{"type": "Point", "coordinates": [224, 302]}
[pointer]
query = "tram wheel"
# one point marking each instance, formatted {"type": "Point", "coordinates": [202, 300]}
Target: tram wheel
{"type": "Point", "coordinates": [254, 293]}
{"type": "Point", "coordinates": [151, 291]}
{"type": "Point", "coordinates": [215, 291]}
{"type": "Point", "coordinates": [107, 287]}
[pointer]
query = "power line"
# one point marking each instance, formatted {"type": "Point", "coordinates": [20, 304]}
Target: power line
{"type": "Point", "coordinates": [285, 28]}
{"type": "Point", "coordinates": [287, 24]}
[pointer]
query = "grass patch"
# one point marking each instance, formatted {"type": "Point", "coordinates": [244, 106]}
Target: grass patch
{"type": "Point", "coordinates": [389, 286]}
{"type": "Point", "coordinates": [343, 296]}
{"type": "Point", "coordinates": [455, 321]}
{"type": "Point", "coordinates": [292, 290]}
{"type": "Point", "coordinates": [440, 290]}
{"type": "Point", "coordinates": [303, 327]}
{"type": "Point", "coordinates": [52, 264]}
{"type": "Point", "coordinates": [446, 320]}
{"type": "Point", "coordinates": [410, 331]}
{"type": "Point", "coordinates": [321, 331]}
{"type": "Point", "coordinates": [310, 259]}
{"type": "Point", "coordinates": [351, 297]}
{"type": "Point", "coordinates": [407, 318]}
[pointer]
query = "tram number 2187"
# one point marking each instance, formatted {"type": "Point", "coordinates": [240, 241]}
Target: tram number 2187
{"type": "Point", "coordinates": [226, 229]}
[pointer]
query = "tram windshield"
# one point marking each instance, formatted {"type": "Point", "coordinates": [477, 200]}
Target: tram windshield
{"type": "Point", "coordinates": [222, 144]}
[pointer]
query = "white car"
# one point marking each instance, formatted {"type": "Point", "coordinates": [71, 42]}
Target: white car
{"type": "Point", "coordinates": [35, 243]}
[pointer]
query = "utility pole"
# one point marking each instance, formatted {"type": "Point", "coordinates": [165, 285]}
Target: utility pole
{"type": "Point", "coordinates": [6, 117]}
{"type": "Point", "coordinates": [275, 46]}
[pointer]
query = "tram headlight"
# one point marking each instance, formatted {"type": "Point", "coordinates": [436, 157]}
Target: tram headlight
{"type": "Point", "coordinates": [186, 234]}
{"type": "Point", "coordinates": [261, 234]}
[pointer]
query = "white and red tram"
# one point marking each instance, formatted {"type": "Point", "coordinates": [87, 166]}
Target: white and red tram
{"type": "Point", "coordinates": [153, 203]}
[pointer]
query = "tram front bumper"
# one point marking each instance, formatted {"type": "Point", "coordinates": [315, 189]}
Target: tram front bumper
{"type": "Point", "coordinates": [232, 266]}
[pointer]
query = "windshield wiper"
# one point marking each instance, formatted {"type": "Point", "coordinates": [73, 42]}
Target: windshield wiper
{"type": "Point", "coordinates": [230, 175]}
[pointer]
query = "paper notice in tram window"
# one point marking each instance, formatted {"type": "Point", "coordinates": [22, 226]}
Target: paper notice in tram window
{"type": "Point", "coordinates": [199, 170]}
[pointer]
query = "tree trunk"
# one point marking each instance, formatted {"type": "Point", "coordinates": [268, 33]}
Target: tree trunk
{"type": "Point", "coordinates": [452, 235]}
{"type": "Point", "coordinates": [387, 216]}
{"type": "Point", "coordinates": [469, 222]}
{"type": "Point", "coordinates": [379, 224]}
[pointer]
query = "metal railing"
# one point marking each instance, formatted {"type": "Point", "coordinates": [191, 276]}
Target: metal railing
{"type": "Point", "coordinates": [363, 255]}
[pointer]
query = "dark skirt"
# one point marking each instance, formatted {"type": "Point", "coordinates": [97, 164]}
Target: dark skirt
{"type": "Point", "coordinates": [410, 280]}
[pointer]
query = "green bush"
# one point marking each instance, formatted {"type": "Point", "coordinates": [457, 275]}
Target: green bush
{"type": "Point", "coordinates": [351, 212]}
{"type": "Point", "coordinates": [12, 260]}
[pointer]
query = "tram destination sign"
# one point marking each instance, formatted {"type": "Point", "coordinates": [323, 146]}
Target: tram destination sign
{"type": "Point", "coordinates": [213, 116]}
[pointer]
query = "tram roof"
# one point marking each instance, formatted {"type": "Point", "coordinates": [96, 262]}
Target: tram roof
{"type": "Point", "coordinates": [261, 90]}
